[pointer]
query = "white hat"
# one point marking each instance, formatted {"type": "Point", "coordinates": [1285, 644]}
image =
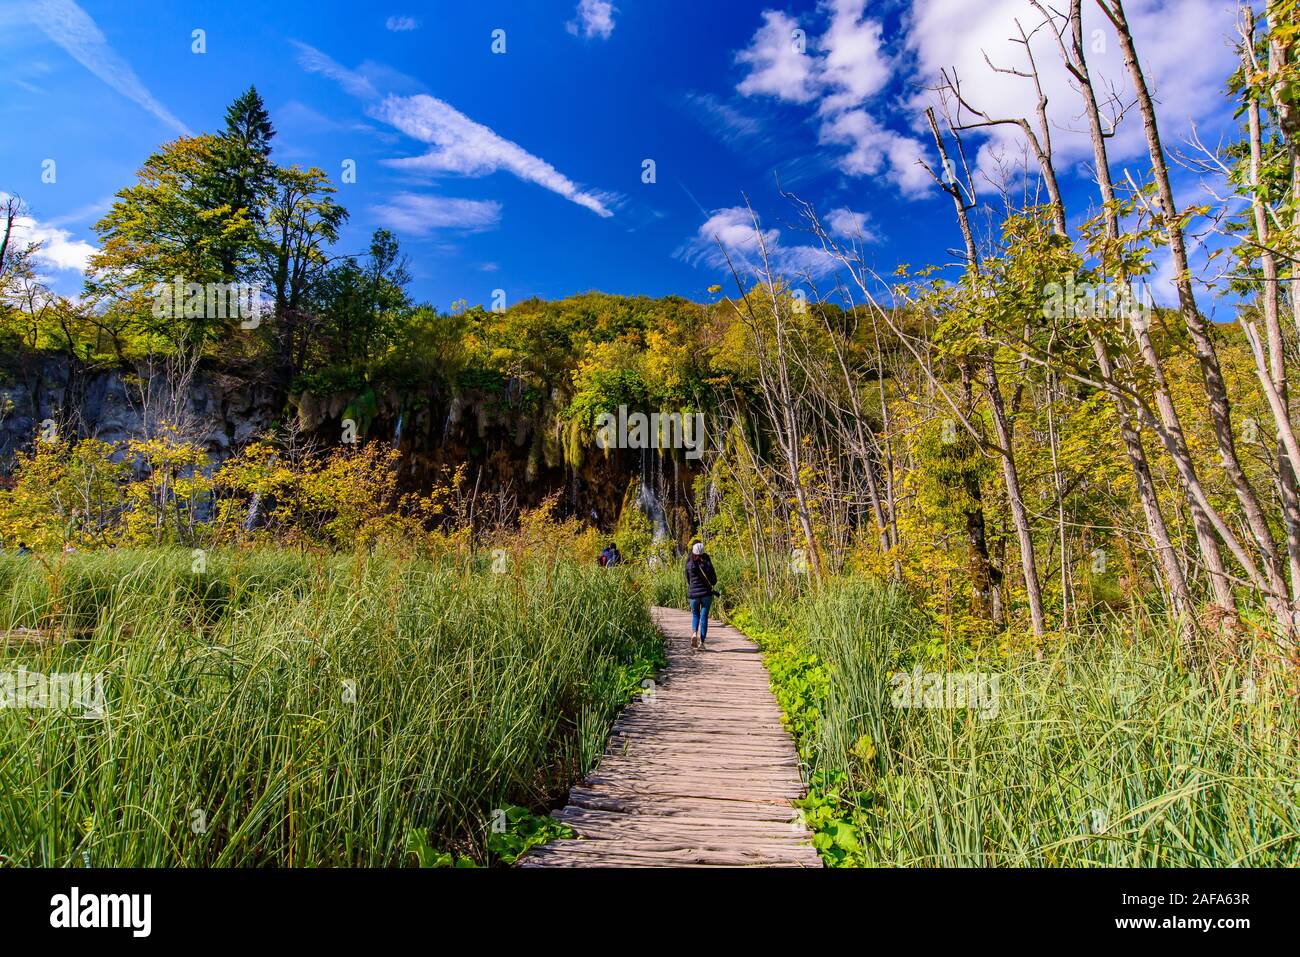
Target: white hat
{"type": "Point", "coordinates": [697, 548]}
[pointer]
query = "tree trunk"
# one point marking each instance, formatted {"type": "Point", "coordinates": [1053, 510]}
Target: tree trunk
{"type": "Point", "coordinates": [1270, 295]}
{"type": "Point", "coordinates": [1216, 392]}
{"type": "Point", "coordinates": [1006, 448]}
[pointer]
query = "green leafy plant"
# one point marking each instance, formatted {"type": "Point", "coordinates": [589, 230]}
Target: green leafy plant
{"type": "Point", "coordinates": [523, 831]}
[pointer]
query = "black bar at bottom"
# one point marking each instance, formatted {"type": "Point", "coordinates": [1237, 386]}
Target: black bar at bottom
{"type": "Point", "coordinates": [339, 907]}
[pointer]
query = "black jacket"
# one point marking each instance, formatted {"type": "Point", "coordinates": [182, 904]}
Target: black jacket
{"type": "Point", "coordinates": [700, 576]}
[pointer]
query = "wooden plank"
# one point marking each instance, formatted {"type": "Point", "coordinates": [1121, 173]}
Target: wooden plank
{"type": "Point", "coordinates": [700, 774]}
{"type": "Point", "coordinates": [658, 804]}
{"type": "Point", "coordinates": [608, 824]}
{"type": "Point", "coordinates": [596, 854]}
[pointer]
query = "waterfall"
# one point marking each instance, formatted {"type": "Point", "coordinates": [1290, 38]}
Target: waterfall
{"type": "Point", "coordinates": [648, 499]}
{"type": "Point", "coordinates": [711, 500]}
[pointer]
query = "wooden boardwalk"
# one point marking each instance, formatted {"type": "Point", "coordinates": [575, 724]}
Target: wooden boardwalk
{"type": "Point", "coordinates": [699, 774]}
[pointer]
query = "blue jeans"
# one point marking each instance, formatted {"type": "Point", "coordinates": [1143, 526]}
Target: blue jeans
{"type": "Point", "coordinates": [700, 614]}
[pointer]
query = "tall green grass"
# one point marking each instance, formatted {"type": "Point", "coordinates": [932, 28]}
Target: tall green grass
{"type": "Point", "coordinates": [1106, 752]}
{"type": "Point", "coordinates": [283, 709]}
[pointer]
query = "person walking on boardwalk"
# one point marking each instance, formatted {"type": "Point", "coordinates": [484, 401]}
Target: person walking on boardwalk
{"type": "Point", "coordinates": [700, 582]}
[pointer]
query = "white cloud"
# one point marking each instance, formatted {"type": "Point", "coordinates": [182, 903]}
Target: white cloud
{"type": "Point", "coordinates": [854, 67]}
{"type": "Point", "coordinates": [418, 215]}
{"type": "Point", "coordinates": [58, 249]}
{"type": "Point", "coordinates": [1184, 46]}
{"type": "Point", "coordinates": [467, 148]}
{"type": "Point", "coordinates": [462, 146]}
{"type": "Point", "coordinates": [401, 24]}
{"type": "Point", "coordinates": [848, 224]}
{"type": "Point", "coordinates": [848, 68]}
{"type": "Point", "coordinates": [733, 230]}
{"type": "Point", "coordinates": [72, 28]}
{"type": "Point", "coordinates": [875, 150]}
{"type": "Point", "coordinates": [778, 62]}
{"type": "Point", "coordinates": [594, 18]}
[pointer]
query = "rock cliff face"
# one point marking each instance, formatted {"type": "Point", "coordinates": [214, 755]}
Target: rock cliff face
{"type": "Point", "coordinates": [512, 458]}
{"type": "Point", "coordinates": [223, 410]}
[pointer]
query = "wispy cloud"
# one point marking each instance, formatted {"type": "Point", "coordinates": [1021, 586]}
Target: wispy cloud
{"type": "Point", "coordinates": [732, 232]}
{"type": "Point", "coordinates": [462, 146]}
{"type": "Point", "coordinates": [765, 141]}
{"type": "Point", "coordinates": [413, 214]}
{"type": "Point", "coordinates": [467, 148]}
{"type": "Point", "coordinates": [301, 118]}
{"type": "Point", "coordinates": [593, 18]}
{"type": "Point", "coordinates": [313, 61]}
{"type": "Point", "coordinates": [72, 28]}
{"type": "Point", "coordinates": [83, 214]}
{"type": "Point", "coordinates": [728, 123]}
{"type": "Point", "coordinates": [402, 24]}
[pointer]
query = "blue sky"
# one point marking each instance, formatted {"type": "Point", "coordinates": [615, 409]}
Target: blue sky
{"type": "Point", "coordinates": [523, 170]}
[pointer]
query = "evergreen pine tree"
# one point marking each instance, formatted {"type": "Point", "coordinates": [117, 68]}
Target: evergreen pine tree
{"type": "Point", "coordinates": [247, 175]}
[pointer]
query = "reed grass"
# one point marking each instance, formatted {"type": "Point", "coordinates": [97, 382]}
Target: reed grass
{"type": "Point", "coordinates": [295, 710]}
{"type": "Point", "coordinates": [1104, 752]}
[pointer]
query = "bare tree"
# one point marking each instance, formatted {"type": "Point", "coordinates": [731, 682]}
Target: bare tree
{"type": "Point", "coordinates": [776, 387]}
{"type": "Point", "coordinates": [1005, 445]}
{"type": "Point", "coordinates": [1216, 392]}
{"type": "Point", "coordinates": [1273, 378]}
{"type": "Point", "coordinates": [1076, 64]}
